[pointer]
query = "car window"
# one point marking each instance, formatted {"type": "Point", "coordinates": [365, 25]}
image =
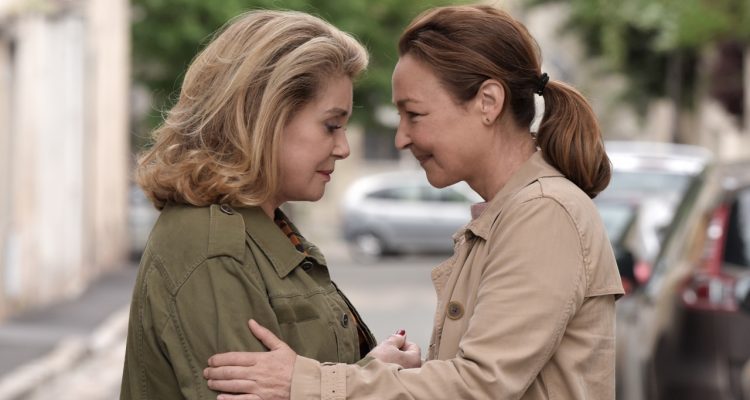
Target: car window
{"type": "Point", "coordinates": [408, 193]}
{"type": "Point", "coordinates": [452, 195]}
{"type": "Point", "coordinates": [616, 218]}
{"type": "Point", "coordinates": [744, 220]}
{"type": "Point", "coordinates": [737, 244]}
{"type": "Point", "coordinates": [678, 220]}
{"type": "Point", "coordinates": [647, 183]}
{"type": "Point", "coordinates": [419, 193]}
{"type": "Point", "coordinates": [429, 193]}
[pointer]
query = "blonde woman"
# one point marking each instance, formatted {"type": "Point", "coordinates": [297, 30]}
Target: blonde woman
{"type": "Point", "coordinates": [260, 121]}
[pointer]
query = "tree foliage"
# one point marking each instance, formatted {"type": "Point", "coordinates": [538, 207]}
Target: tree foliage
{"type": "Point", "coordinates": [167, 34]}
{"type": "Point", "coordinates": [656, 43]}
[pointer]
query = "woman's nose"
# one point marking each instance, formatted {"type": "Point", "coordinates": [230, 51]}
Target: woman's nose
{"type": "Point", "coordinates": [341, 148]}
{"type": "Point", "coordinates": [402, 140]}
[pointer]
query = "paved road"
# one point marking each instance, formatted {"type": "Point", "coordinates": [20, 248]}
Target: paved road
{"type": "Point", "coordinates": [392, 294]}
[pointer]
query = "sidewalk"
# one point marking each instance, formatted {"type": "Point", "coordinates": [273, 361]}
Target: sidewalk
{"type": "Point", "coordinates": [42, 347]}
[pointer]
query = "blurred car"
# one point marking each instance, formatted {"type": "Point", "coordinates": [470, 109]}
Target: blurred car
{"type": "Point", "coordinates": [400, 212]}
{"type": "Point", "coordinates": [683, 335]}
{"type": "Point", "coordinates": [649, 180]}
{"type": "Point", "coordinates": [619, 218]}
{"type": "Point", "coordinates": [743, 297]}
{"type": "Point", "coordinates": [650, 183]}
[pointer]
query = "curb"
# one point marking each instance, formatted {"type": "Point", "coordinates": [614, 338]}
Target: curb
{"type": "Point", "coordinates": [69, 352]}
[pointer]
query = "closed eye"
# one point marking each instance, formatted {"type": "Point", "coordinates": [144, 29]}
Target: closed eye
{"type": "Point", "coordinates": [411, 114]}
{"type": "Point", "coordinates": [331, 128]}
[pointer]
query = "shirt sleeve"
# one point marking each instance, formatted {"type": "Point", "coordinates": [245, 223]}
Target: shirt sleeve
{"type": "Point", "coordinates": [524, 301]}
{"type": "Point", "coordinates": [208, 314]}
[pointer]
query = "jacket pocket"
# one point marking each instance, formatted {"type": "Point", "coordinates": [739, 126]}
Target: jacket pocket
{"type": "Point", "coordinates": [307, 330]}
{"type": "Point", "coordinates": [290, 311]}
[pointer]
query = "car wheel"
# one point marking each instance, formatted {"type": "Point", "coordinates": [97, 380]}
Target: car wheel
{"type": "Point", "coordinates": [367, 247]}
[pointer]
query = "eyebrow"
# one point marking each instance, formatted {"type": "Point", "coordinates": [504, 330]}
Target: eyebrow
{"type": "Point", "coordinates": [339, 112]}
{"type": "Point", "coordinates": [402, 102]}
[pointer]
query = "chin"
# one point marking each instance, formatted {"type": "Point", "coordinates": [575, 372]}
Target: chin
{"type": "Point", "coordinates": [308, 196]}
{"type": "Point", "coordinates": [439, 180]}
{"type": "Point", "coordinates": [316, 196]}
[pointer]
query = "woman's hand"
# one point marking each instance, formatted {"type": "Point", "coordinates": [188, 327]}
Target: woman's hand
{"type": "Point", "coordinates": [251, 376]}
{"type": "Point", "coordinates": [397, 350]}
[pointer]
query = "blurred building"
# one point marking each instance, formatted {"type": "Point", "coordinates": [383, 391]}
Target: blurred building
{"type": "Point", "coordinates": [64, 81]}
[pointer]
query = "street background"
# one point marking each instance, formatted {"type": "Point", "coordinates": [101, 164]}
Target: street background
{"type": "Point", "coordinates": [83, 83]}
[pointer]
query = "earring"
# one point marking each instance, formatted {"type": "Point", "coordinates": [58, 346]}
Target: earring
{"type": "Point", "coordinates": [486, 120]}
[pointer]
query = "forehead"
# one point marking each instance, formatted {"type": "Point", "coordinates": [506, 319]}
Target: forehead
{"type": "Point", "coordinates": [334, 93]}
{"type": "Point", "coordinates": [414, 81]}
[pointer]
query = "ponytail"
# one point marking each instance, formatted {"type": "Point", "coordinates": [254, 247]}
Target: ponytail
{"type": "Point", "coordinates": [571, 140]}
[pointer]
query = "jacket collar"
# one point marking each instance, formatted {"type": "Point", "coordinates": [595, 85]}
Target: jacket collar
{"type": "Point", "coordinates": [274, 244]}
{"type": "Point", "coordinates": [530, 171]}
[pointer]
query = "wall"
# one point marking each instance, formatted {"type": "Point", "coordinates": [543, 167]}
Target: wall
{"type": "Point", "coordinates": [64, 77]}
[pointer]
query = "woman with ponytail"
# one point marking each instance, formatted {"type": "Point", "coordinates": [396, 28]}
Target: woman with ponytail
{"type": "Point", "coordinates": [526, 305]}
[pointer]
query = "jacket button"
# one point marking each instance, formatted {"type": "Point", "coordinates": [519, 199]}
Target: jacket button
{"type": "Point", "coordinates": [455, 310]}
{"type": "Point", "coordinates": [226, 209]}
{"type": "Point", "coordinates": [307, 265]}
{"type": "Point", "coordinates": [345, 320]}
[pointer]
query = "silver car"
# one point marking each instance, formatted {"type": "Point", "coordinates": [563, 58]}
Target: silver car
{"type": "Point", "coordinates": [400, 212]}
{"type": "Point", "coordinates": [649, 180]}
{"type": "Point", "coordinates": [661, 182]}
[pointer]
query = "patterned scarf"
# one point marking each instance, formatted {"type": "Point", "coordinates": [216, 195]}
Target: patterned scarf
{"type": "Point", "coordinates": [283, 223]}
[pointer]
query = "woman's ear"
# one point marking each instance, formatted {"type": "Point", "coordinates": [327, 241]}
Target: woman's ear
{"type": "Point", "coordinates": [491, 98]}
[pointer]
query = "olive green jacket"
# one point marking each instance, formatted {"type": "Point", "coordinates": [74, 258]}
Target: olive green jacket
{"type": "Point", "coordinates": [206, 271]}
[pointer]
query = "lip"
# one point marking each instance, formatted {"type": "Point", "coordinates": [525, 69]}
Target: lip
{"type": "Point", "coordinates": [326, 173]}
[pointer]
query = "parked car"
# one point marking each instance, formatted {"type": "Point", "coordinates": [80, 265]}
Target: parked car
{"type": "Point", "coordinates": [400, 212]}
{"type": "Point", "coordinates": [682, 335]}
{"type": "Point", "coordinates": [743, 297]}
{"type": "Point", "coordinates": [649, 180]}
{"type": "Point", "coordinates": [619, 218]}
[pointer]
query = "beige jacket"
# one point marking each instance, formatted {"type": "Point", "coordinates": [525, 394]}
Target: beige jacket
{"type": "Point", "coordinates": [526, 307]}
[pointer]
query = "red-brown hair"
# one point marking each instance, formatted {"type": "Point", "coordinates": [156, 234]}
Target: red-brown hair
{"type": "Point", "coordinates": [466, 45]}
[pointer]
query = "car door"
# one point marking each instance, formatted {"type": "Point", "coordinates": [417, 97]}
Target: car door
{"type": "Point", "coordinates": [736, 266]}
{"type": "Point", "coordinates": [643, 316]}
{"type": "Point", "coordinates": [394, 213]}
{"type": "Point", "coordinates": [448, 210]}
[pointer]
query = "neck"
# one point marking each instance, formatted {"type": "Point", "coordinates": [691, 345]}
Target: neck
{"type": "Point", "coordinates": [508, 154]}
{"type": "Point", "coordinates": [269, 208]}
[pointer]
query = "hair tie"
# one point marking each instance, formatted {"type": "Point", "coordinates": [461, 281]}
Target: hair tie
{"type": "Point", "coordinates": [539, 105]}
{"type": "Point", "coordinates": [542, 83]}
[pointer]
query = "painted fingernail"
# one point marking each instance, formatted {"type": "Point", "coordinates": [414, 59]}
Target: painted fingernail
{"type": "Point", "coordinates": [401, 332]}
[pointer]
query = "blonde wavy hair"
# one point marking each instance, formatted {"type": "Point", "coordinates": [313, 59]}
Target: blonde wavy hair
{"type": "Point", "coordinates": [219, 143]}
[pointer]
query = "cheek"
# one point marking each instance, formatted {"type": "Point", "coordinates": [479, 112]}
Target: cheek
{"type": "Point", "coordinates": [294, 172]}
{"type": "Point", "coordinates": [421, 135]}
